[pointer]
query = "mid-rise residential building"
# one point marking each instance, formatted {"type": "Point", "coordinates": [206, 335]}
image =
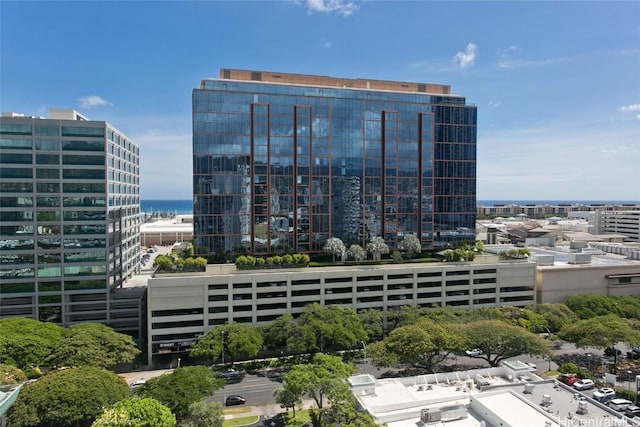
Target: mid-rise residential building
{"type": "Point", "coordinates": [69, 220]}
{"type": "Point", "coordinates": [624, 222]}
{"type": "Point", "coordinates": [282, 162]}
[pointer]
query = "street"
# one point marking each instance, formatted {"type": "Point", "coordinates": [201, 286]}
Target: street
{"type": "Point", "coordinates": [257, 390]}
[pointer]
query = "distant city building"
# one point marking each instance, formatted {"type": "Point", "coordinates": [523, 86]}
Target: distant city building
{"type": "Point", "coordinates": [282, 162]}
{"type": "Point", "coordinates": [625, 222]}
{"type": "Point", "coordinates": [570, 210]}
{"type": "Point", "coordinates": [69, 220]}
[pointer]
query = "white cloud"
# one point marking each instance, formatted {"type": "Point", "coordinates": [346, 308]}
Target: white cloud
{"type": "Point", "coordinates": [467, 58]}
{"type": "Point", "coordinates": [92, 101]}
{"type": "Point", "coordinates": [341, 7]}
{"type": "Point", "coordinates": [504, 52]}
{"type": "Point", "coordinates": [494, 103]}
{"type": "Point", "coordinates": [632, 107]}
{"type": "Point", "coordinates": [327, 45]}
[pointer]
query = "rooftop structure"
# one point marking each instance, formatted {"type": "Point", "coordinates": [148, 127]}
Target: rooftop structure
{"type": "Point", "coordinates": [282, 162]}
{"type": "Point", "coordinates": [510, 395]}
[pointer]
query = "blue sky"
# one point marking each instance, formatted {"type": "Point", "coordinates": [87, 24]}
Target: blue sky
{"type": "Point", "coordinates": [557, 84]}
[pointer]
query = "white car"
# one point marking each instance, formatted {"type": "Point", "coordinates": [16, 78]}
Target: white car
{"type": "Point", "coordinates": [137, 384]}
{"type": "Point", "coordinates": [474, 353]}
{"type": "Point", "coordinates": [584, 384]}
{"type": "Point", "coordinates": [603, 394]}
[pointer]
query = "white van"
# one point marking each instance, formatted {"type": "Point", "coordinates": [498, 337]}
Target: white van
{"type": "Point", "coordinates": [619, 404]}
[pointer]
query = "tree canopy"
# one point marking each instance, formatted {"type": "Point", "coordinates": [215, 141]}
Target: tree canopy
{"type": "Point", "coordinates": [335, 247]}
{"type": "Point", "coordinates": [243, 341]}
{"type": "Point", "coordinates": [411, 245]}
{"type": "Point", "coordinates": [10, 374]}
{"type": "Point", "coordinates": [586, 306]}
{"type": "Point", "coordinates": [323, 377]}
{"type": "Point", "coordinates": [499, 340]}
{"type": "Point", "coordinates": [327, 328]}
{"type": "Point", "coordinates": [70, 397]}
{"type": "Point", "coordinates": [136, 412]}
{"type": "Point", "coordinates": [93, 344]}
{"type": "Point", "coordinates": [601, 332]}
{"type": "Point", "coordinates": [204, 414]}
{"type": "Point", "coordinates": [423, 344]}
{"type": "Point", "coordinates": [26, 342]}
{"type": "Point", "coordinates": [278, 331]}
{"type": "Point", "coordinates": [182, 387]}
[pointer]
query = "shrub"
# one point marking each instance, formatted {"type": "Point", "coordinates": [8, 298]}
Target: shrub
{"type": "Point", "coordinates": [568, 368]}
{"type": "Point", "coordinates": [287, 259]}
{"type": "Point", "coordinates": [241, 260]}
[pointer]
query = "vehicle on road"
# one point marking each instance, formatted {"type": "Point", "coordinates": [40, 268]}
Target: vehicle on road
{"type": "Point", "coordinates": [632, 411]}
{"type": "Point", "coordinates": [231, 376]}
{"type": "Point", "coordinates": [568, 379]}
{"type": "Point", "coordinates": [474, 353]}
{"type": "Point", "coordinates": [611, 351]}
{"type": "Point", "coordinates": [604, 394]}
{"type": "Point", "coordinates": [235, 399]}
{"type": "Point", "coordinates": [136, 384]}
{"type": "Point", "coordinates": [584, 384]}
{"type": "Point", "coordinates": [619, 405]}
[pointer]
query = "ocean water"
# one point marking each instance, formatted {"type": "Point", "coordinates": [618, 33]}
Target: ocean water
{"type": "Point", "coordinates": [185, 207]}
{"type": "Point", "coordinates": [176, 207]}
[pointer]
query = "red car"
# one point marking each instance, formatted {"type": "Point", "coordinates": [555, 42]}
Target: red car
{"type": "Point", "coordinates": [568, 379]}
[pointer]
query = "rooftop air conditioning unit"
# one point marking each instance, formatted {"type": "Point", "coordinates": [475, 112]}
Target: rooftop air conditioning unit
{"type": "Point", "coordinates": [430, 415]}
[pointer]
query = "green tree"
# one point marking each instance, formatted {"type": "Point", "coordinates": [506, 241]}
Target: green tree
{"type": "Point", "coordinates": [601, 332]}
{"type": "Point", "coordinates": [10, 374]}
{"type": "Point", "coordinates": [424, 344]}
{"type": "Point", "coordinates": [27, 342]}
{"type": "Point", "coordinates": [135, 412]}
{"type": "Point", "coordinates": [323, 377]}
{"type": "Point", "coordinates": [373, 323]}
{"type": "Point", "coordinates": [244, 342]}
{"type": "Point", "coordinates": [356, 253]}
{"type": "Point", "coordinates": [163, 263]}
{"type": "Point", "coordinates": [181, 388]}
{"type": "Point", "coordinates": [343, 410]}
{"type": "Point", "coordinates": [288, 397]}
{"type": "Point", "coordinates": [326, 329]}
{"type": "Point", "coordinates": [377, 247]}
{"type": "Point", "coordinates": [586, 306]}
{"type": "Point", "coordinates": [499, 340]}
{"type": "Point", "coordinates": [277, 333]}
{"type": "Point", "coordinates": [411, 245]}
{"type": "Point", "coordinates": [93, 344]}
{"type": "Point", "coordinates": [556, 315]}
{"type": "Point", "coordinates": [335, 247]}
{"type": "Point", "coordinates": [71, 397]}
{"type": "Point", "coordinates": [204, 414]}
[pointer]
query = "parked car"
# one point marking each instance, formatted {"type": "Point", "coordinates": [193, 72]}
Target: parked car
{"type": "Point", "coordinates": [619, 405]}
{"type": "Point", "coordinates": [474, 353]}
{"type": "Point", "coordinates": [568, 379]}
{"type": "Point", "coordinates": [584, 384]}
{"type": "Point", "coordinates": [634, 354]}
{"type": "Point", "coordinates": [611, 351]}
{"type": "Point", "coordinates": [604, 394]}
{"type": "Point", "coordinates": [235, 399]}
{"type": "Point", "coordinates": [632, 411]}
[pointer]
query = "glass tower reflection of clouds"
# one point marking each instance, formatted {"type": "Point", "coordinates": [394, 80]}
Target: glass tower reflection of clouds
{"type": "Point", "coordinates": [282, 162]}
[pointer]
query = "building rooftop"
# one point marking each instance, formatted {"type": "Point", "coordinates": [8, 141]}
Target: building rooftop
{"type": "Point", "coordinates": [333, 82]}
{"type": "Point", "coordinates": [509, 395]}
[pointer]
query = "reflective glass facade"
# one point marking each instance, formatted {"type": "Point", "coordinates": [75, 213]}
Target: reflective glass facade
{"type": "Point", "coordinates": [69, 218]}
{"type": "Point", "coordinates": [283, 167]}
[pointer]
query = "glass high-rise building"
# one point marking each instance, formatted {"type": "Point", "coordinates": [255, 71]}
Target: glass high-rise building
{"type": "Point", "coordinates": [282, 162]}
{"type": "Point", "coordinates": [69, 220]}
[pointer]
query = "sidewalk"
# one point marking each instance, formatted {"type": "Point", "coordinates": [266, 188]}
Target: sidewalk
{"type": "Point", "coordinates": [268, 411]}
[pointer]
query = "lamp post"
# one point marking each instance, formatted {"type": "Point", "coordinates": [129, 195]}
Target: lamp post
{"type": "Point", "coordinates": [629, 373]}
{"type": "Point", "coordinates": [589, 362]}
{"type": "Point", "coordinates": [364, 348]}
